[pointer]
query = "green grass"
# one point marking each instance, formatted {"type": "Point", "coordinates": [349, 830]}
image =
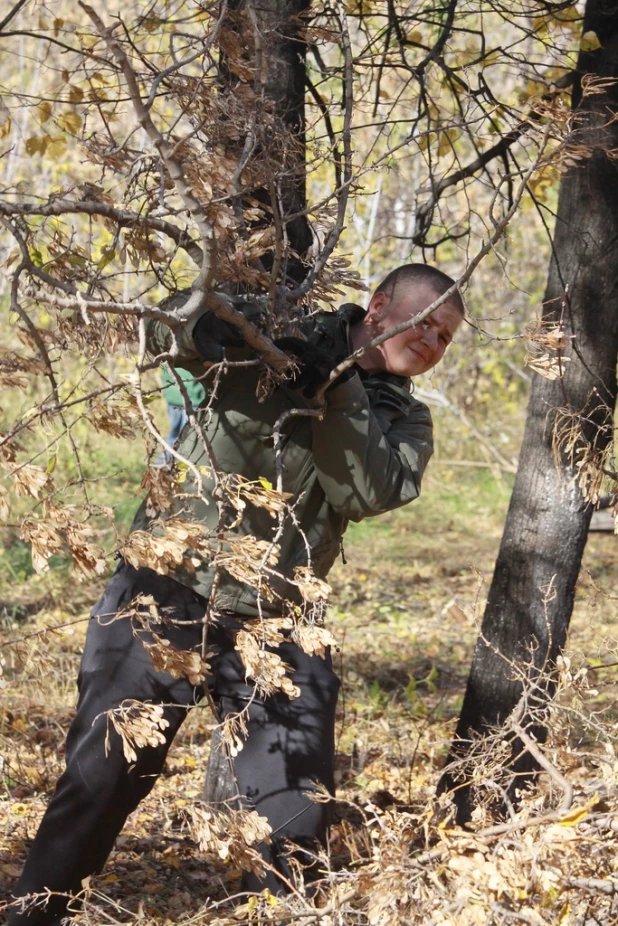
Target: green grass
{"type": "Point", "coordinates": [459, 521]}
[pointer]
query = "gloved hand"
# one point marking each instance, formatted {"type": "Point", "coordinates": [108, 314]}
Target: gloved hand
{"type": "Point", "coordinates": [314, 364]}
{"type": "Point", "coordinates": [211, 334]}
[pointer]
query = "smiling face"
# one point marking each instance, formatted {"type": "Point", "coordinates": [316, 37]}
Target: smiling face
{"type": "Point", "coordinates": [415, 350]}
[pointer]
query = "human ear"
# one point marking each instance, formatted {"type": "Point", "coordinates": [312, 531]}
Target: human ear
{"type": "Point", "coordinates": [377, 307]}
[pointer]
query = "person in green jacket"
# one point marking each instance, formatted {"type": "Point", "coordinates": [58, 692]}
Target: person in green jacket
{"type": "Point", "coordinates": [175, 403]}
{"type": "Point", "coordinates": [220, 588]}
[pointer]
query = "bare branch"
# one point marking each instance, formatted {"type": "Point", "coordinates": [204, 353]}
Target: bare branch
{"type": "Point", "coordinates": [123, 217]}
{"type": "Point", "coordinates": [12, 14]}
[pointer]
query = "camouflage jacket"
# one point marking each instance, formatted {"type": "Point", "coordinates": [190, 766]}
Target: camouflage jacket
{"type": "Point", "coordinates": [365, 456]}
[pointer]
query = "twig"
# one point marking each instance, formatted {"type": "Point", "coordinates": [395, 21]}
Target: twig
{"type": "Point", "coordinates": [563, 783]}
{"type": "Point", "coordinates": [455, 288]}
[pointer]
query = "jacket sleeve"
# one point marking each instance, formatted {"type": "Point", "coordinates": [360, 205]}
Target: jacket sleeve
{"type": "Point", "coordinates": [204, 338]}
{"type": "Point", "coordinates": [159, 338]}
{"type": "Point", "coordinates": [362, 470]}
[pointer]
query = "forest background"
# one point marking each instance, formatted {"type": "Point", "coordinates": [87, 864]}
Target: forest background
{"type": "Point", "coordinates": [406, 608]}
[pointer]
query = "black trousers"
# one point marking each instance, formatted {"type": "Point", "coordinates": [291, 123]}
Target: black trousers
{"type": "Point", "coordinates": [289, 747]}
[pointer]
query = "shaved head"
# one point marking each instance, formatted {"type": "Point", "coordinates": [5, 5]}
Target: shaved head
{"type": "Point", "coordinates": [414, 274]}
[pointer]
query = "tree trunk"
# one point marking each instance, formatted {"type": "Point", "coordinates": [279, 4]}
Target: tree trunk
{"type": "Point", "coordinates": [279, 54]}
{"type": "Point", "coordinates": [268, 36]}
{"type": "Point", "coordinates": [531, 596]}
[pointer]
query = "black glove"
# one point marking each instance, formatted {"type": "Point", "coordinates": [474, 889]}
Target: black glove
{"type": "Point", "coordinates": [315, 365]}
{"type": "Point", "coordinates": [211, 334]}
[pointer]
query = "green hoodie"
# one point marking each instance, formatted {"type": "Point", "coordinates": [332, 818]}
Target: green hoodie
{"type": "Point", "coordinates": [171, 392]}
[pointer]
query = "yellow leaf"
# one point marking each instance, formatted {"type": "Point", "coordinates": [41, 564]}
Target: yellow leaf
{"type": "Point", "coordinates": [572, 14]}
{"type": "Point", "coordinates": [36, 144]}
{"type": "Point", "coordinates": [265, 483]}
{"type": "Point", "coordinates": [590, 41]}
{"type": "Point", "coordinates": [20, 810]}
{"type": "Point", "coordinates": [76, 94]}
{"type": "Point", "coordinates": [51, 466]}
{"type": "Point", "coordinates": [45, 111]}
{"type": "Point", "coordinates": [540, 26]}
{"type": "Point", "coordinates": [70, 122]}
{"type": "Point", "coordinates": [56, 147]}
{"type": "Point", "coordinates": [574, 816]}
{"type": "Point", "coordinates": [446, 141]}
{"type": "Point", "coordinates": [493, 57]}
{"type": "Point", "coordinates": [416, 36]}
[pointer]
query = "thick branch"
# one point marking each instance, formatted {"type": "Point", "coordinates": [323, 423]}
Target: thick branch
{"type": "Point", "coordinates": [123, 217]}
{"type": "Point", "coordinates": [12, 13]}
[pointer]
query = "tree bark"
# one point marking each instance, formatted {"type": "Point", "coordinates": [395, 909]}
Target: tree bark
{"type": "Point", "coordinates": [531, 596]}
{"type": "Point", "coordinates": [279, 53]}
{"type": "Point", "coordinates": [274, 51]}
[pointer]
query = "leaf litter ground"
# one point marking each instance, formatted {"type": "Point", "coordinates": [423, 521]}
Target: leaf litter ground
{"type": "Point", "coordinates": [405, 612]}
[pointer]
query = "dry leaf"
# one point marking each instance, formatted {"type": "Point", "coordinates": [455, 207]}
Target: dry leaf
{"type": "Point", "coordinates": [138, 724]}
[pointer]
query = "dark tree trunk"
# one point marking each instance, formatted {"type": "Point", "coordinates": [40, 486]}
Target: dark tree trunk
{"type": "Point", "coordinates": [270, 34]}
{"type": "Point", "coordinates": [282, 54]}
{"type": "Point", "coordinates": [531, 596]}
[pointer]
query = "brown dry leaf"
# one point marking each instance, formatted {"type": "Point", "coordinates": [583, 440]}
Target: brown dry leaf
{"type": "Point", "coordinates": [161, 485]}
{"type": "Point", "coordinates": [542, 337]}
{"type": "Point", "coordinates": [57, 527]}
{"type": "Point", "coordinates": [46, 539]}
{"type": "Point", "coordinates": [313, 639]}
{"type": "Point", "coordinates": [17, 371]}
{"type": "Point", "coordinates": [311, 588]}
{"type": "Point", "coordinates": [259, 492]}
{"type": "Point", "coordinates": [268, 630]}
{"type": "Point", "coordinates": [178, 663]}
{"type": "Point", "coordinates": [117, 420]}
{"type": "Point", "coordinates": [248, 559]}
{"type": "Point", "coordinates": [265, 668]}
{"type": "Point", "coordinates": [30, 480]}
{"type": "Point", "coordinates": [230, 834]}
{"type": "Point", "coordinates": [234, 732]}
{"type": "Point", "coordinates": [545, 365]}
{"type": "Point", "coordinates": [165, 547]}
{"type": "Point", "coordinates": [138, 724]}
{"type": "Point", "coordinates": [88, 559]}
{"type": "Point", "coordinates": [590, 475]}
{"type": "Point", "coordinates": [9, 450]}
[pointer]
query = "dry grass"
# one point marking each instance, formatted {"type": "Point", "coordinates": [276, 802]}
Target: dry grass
{"type": "Point", "coordinates": [405, 615]}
